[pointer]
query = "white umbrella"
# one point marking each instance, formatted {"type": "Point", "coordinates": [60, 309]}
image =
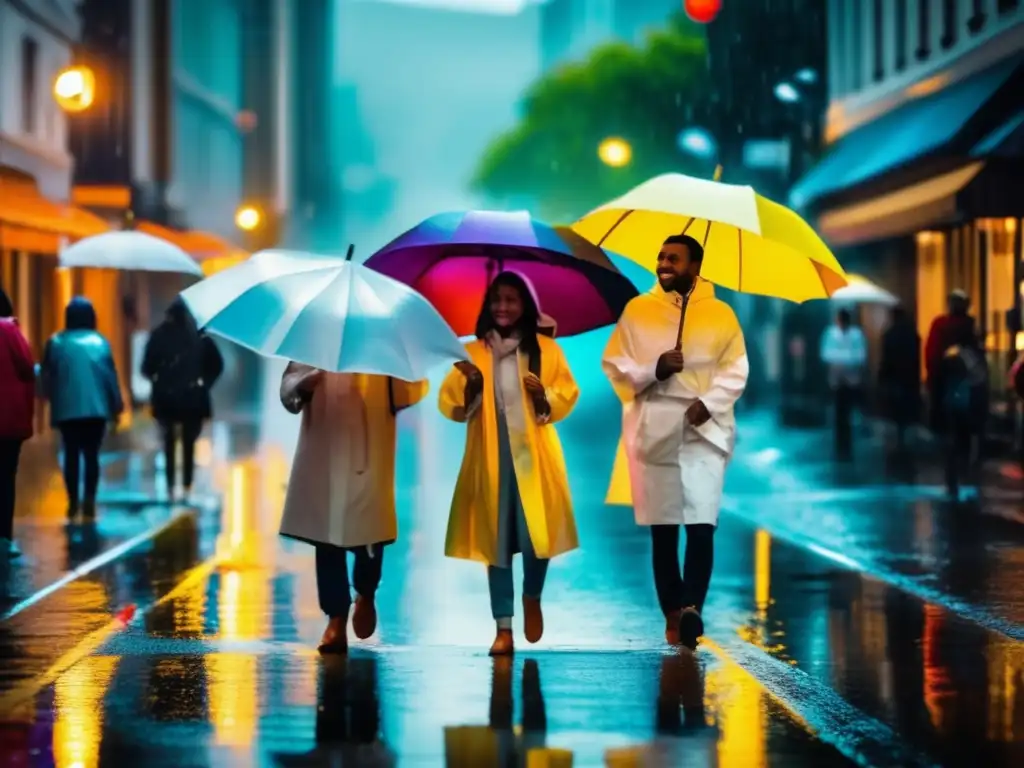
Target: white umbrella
{"type": "Point", "coordinates": [129, 250]}
{"type": "Point", "coordinates": [326, 312]}
{"type": "Point", "coordinates": [860, 290]}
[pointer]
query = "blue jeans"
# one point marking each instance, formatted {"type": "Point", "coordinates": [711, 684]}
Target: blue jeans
{"type": "Point", "coordinates": [535, 569]}
{"type": "Point", "coordinates": [514, 535]}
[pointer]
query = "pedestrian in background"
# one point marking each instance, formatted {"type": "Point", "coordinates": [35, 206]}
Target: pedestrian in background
{"type": "Point", "coordinates": [341, 494]}
{"type": "Point", "coordinates": [512, 495]}
{"type": "Point", "coordinates": [844, 351]}
{"type": "Point", "coordinates": [80, 381]}
{"type": "Point", "coordinates": [962, 378]}
{"type": "Point", "coordinates": [17, 395]}
{"type": "Point", "coordinates": [899, 374]}
{"type": "Point", "coordinates": [183, 364]}
{"type": "Point", "coordinates": [945, 331]}
{"type": "Point", "coordinates": [679, 388]}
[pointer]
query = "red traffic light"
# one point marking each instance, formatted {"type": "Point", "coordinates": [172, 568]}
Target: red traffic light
{"type": "Point", "coordinates": [702, 11]}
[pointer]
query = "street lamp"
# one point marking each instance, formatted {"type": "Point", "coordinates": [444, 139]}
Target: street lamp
{"type": "Point", "coordinates": [787, 93]}
{"type": "Point", "coordinates": [74, 88]}
{"type": "Point", "coordinates": [697, 142]}
{"type": "Point", "coordinates": [615, 152]}
{"type": "Point", "coordinates": [248, 218]}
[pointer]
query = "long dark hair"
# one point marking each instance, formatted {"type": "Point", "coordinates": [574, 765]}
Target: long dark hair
{"type": "Point", "coordinates": [6, 307]}
{"type": "Point", "coordinates": [79, 315]}
{"type": "Point", "coordinates": [526, 325]}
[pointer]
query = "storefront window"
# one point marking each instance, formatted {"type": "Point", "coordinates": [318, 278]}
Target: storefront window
{"type": "Point", "coordinates": [931, 279]}
{"type": "Point", "coordinates": [999, 291]}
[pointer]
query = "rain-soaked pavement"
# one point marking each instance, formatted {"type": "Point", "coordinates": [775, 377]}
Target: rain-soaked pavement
{"type": "Point", "coordinates": [195, 647]}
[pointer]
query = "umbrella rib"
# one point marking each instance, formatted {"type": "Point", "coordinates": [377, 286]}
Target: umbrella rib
{"type": "Point", "coordinates": [261, 283]}
{"type": "Point", "coordinates": [279, 333]}
{"type": "Point", "coordinates": [614, 226]}
{"type": "Point", "coordinates": [347, 274]}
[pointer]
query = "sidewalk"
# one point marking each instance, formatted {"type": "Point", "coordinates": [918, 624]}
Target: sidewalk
{"type": "Point", "coordinates": [132, 509]}
{"type": "Point", "coordinates": [887, 519]}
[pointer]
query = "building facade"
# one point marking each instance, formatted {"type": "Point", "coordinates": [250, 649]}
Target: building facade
{"type": "Point", "coordinates": [37, 38]}
{"type": "Point", "coordinates": [918, 189]}
{"type": "Point", "coordinates": [191, 122]}
{"type": "Point", "coordinates": [758, 49]}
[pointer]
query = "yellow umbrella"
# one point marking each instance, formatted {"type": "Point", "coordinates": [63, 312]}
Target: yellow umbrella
{"type": "Point", "coordinates": [751, 244]}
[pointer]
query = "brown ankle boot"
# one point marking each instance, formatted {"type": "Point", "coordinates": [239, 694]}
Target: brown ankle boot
{"type": "Point", "coordinates": [335, 638]}
{"type": "Point", "coordinates": [503, 644]}
{"type": "Point", "coordinates": [672, 627]}
{"type": "Point", "coordinates": [533, 619]}
{"type": "Point", "coordinates": [364, 617]}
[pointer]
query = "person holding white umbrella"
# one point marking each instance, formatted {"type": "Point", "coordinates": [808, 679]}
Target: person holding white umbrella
{"type": "Point", "coordinates": [359, 347]}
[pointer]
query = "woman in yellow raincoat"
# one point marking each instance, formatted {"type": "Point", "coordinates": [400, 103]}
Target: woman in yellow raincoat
{"type": "Point", "coordinates": [512, 493]}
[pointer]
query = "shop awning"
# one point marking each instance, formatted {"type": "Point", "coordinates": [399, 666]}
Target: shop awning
{"type": "Point", "coordinates": [209, 246]}
{"type": "Point", "coordinates": [29, 221]}
{"type": "Point", "coordinates": [906, 210]}
{"type": "Point", "coordinates": [173, 236]}
{"type": "Point", "coordinates": [917, 129]}
{"type": "Point", "coordinates": [213, 252]}
{"type": "Point", "coordinates": [1008, 139]}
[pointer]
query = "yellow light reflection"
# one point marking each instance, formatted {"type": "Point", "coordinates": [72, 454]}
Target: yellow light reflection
{"type": "Point", "coordinates": [762, 570]}
{"type": "Point", "coordinates": [1005, 663]}
{"type": "Point", "coordinates": [232, 681]}
{"type": "Point", "coordinates": [937, 682]}
{"type": "Point", "coordinates": [78, 727]}
{"type": "Point", "coordinates": [548, 757]}
{"type": "Point", "coordinates": [736, 702]}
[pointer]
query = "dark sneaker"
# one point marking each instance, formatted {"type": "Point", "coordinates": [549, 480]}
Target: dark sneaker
{"type": "Point", "coordinates": [691, 627]}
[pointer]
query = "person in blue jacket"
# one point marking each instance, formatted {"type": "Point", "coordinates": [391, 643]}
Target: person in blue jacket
{"type": "Point", "coordinates": [79, 379]}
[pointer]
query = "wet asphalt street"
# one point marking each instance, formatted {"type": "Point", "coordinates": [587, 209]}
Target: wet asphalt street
{"type": "Point", "coordinates": [854, 617]}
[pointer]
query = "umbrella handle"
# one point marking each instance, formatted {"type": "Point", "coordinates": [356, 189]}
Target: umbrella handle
{"type": "Point", "coordinates": [351, 251]}
{"type": "Point", "coordinates": [682, 317]}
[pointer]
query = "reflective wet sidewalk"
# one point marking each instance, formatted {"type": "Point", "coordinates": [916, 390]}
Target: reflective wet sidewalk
{"type": "Point", "coordinates": [892, 521]}
{"type": "Point", "coordinates": [199, 650]}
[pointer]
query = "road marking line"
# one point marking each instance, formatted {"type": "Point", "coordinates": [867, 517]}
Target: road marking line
{"type": "Point", "coordinates": [869, 569]}
{"type": "Point", "coordinates": [96, 562]}
{"type": "Point", "coordinates": [819, 709]}
{"type": "Point", "coordinates": [87, 645]}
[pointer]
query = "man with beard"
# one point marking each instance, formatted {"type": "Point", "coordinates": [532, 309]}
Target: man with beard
{"type": "Point", "coordinates": [678, 387]}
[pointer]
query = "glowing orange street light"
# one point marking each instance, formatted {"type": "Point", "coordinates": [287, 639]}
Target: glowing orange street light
{"type": "Point", "coordinates": [615, 152]}
{"type": "Point", "coordinates": [74, 89]}
{"type": "Point", "coordinates": [248, 218]}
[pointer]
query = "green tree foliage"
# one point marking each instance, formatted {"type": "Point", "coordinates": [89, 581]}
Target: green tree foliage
{"type": "Point", "coordinates": [644, 95]}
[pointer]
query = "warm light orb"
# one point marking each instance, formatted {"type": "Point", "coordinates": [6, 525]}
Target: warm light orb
{"type": "Point", "coordinates": [702, 11]}
{"type": "Point", "coordinates": [615, 152]}
{"type": "Point", "coordinates": [247, 218]}
{"type": "Point", "coordinates": [74, 89]}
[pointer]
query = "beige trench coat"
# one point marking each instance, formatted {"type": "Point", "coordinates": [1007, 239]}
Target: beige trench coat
{"type": "Point", "coordinates": [342, 486]}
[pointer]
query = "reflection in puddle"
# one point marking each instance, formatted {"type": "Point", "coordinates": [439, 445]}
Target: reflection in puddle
{"type": "Point", "coordinates": [78, 726]}
{"type": "Point", "coordinates": [501, 742]}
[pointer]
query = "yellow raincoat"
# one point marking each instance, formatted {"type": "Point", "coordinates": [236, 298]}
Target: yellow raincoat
{"type": "Point", "coordinates": [539, 462]}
